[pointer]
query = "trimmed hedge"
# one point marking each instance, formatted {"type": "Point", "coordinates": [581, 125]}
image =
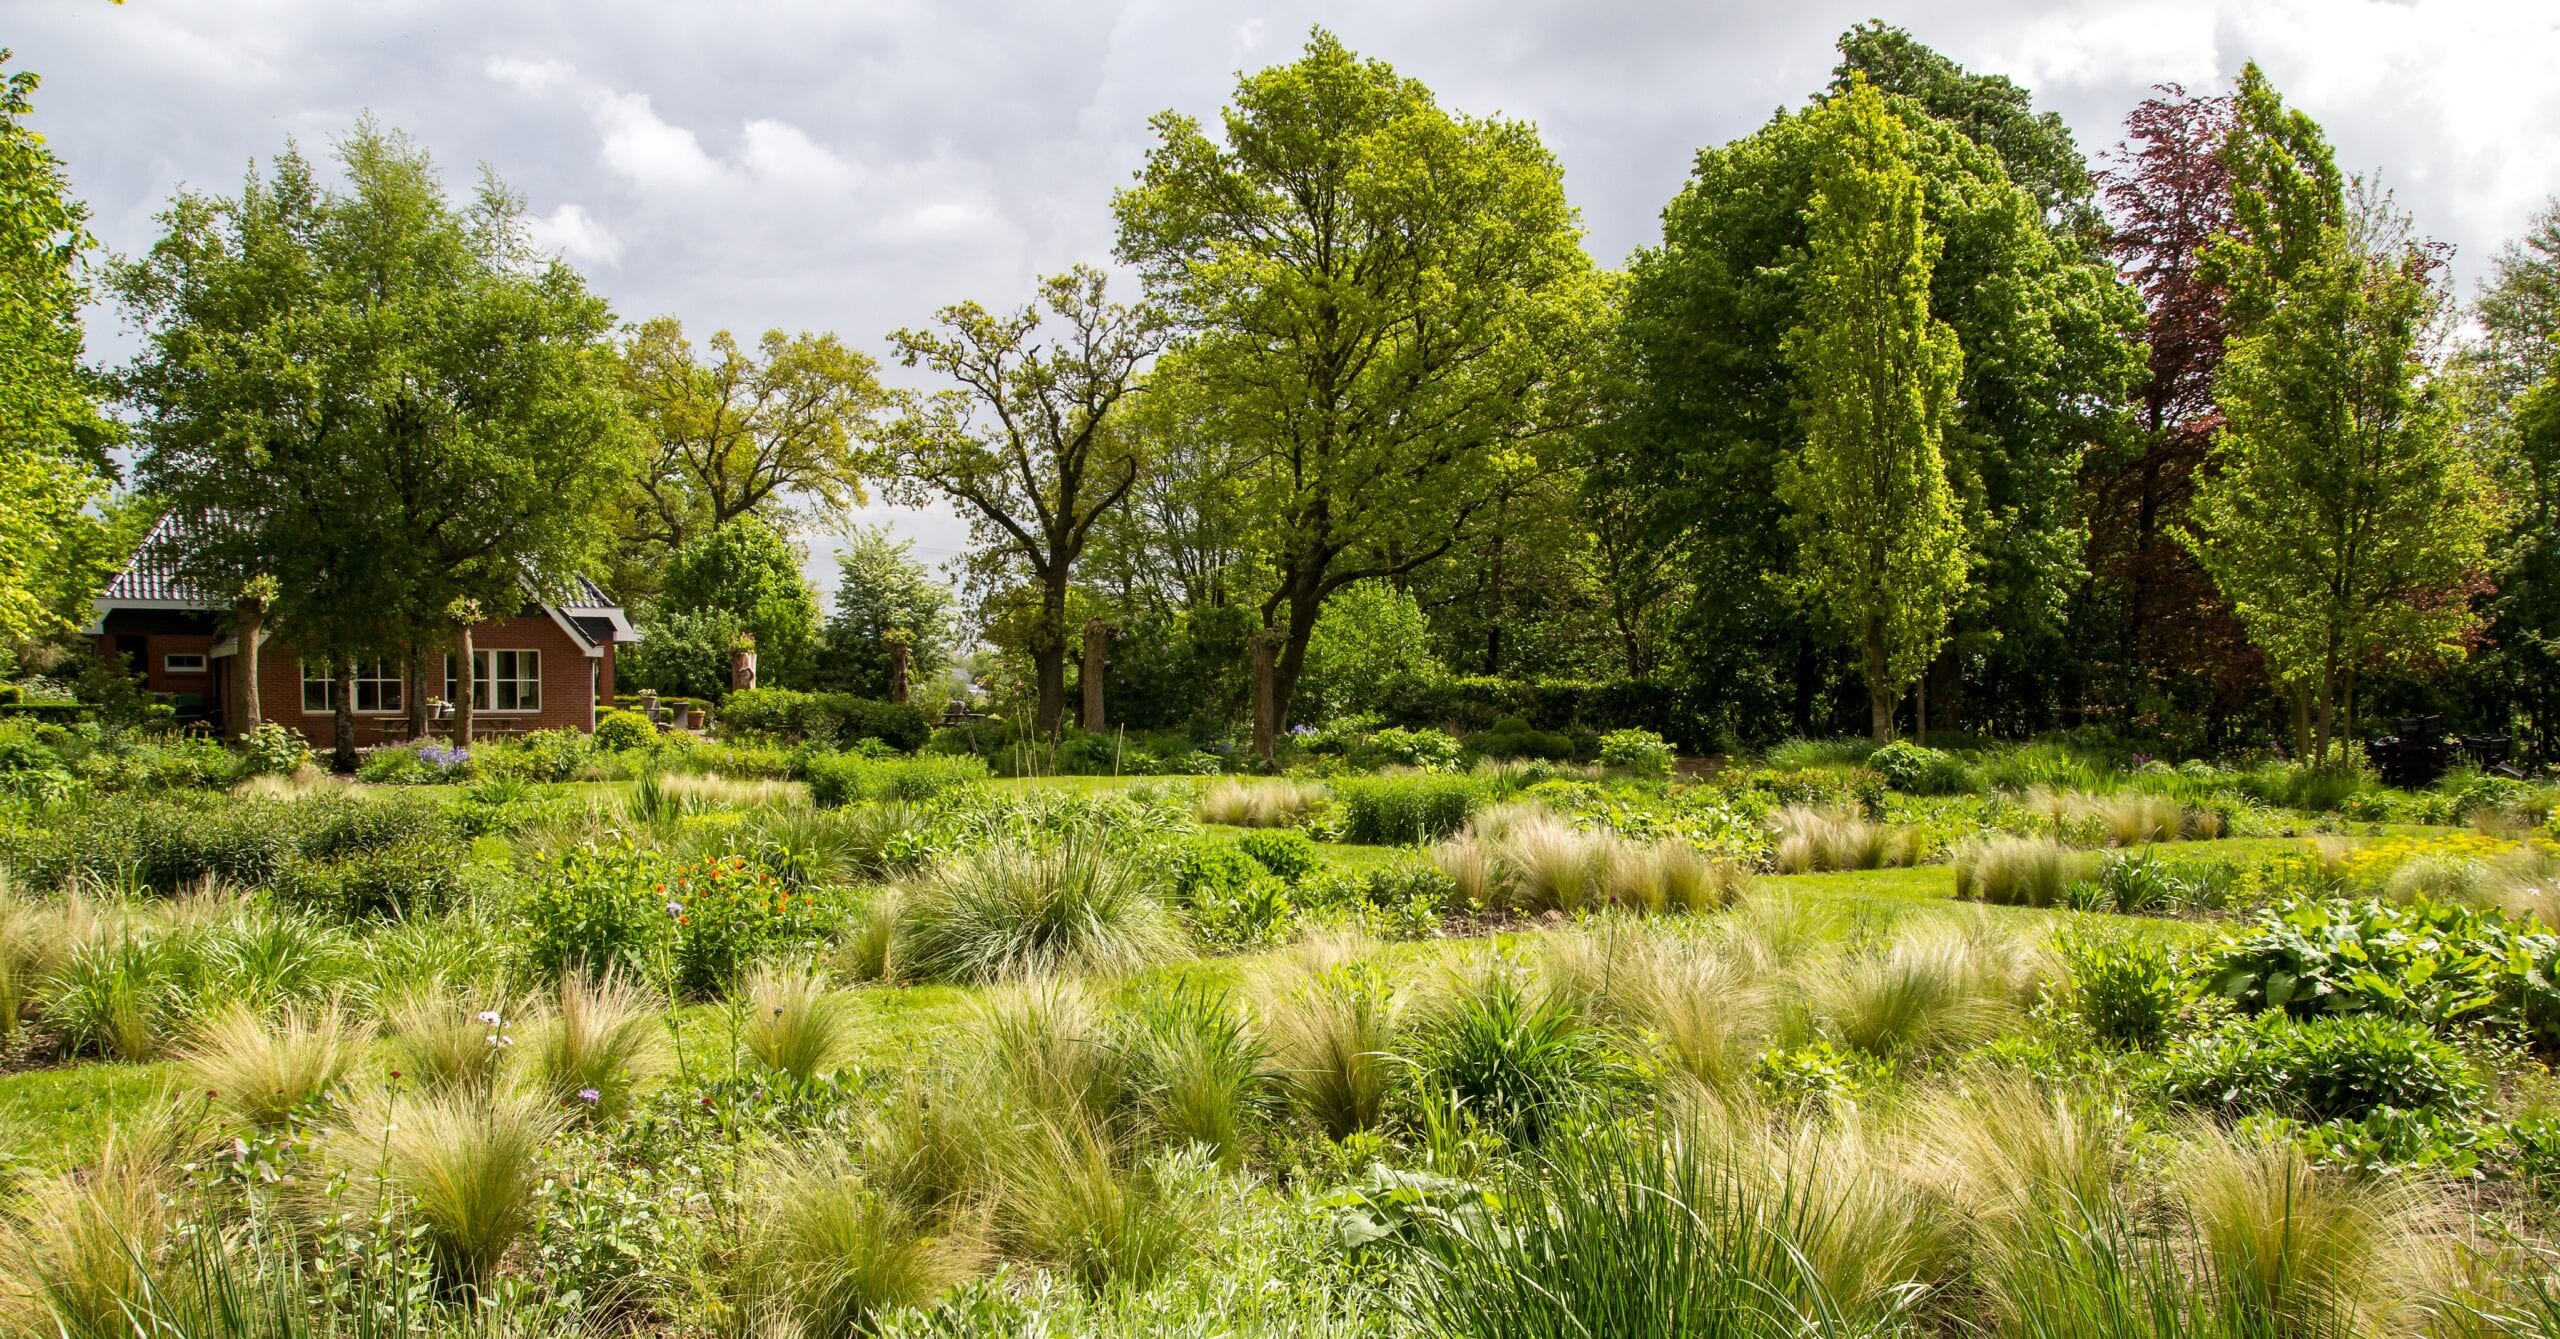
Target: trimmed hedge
{"type": "Point", "coordinates": [834, 719]}
{"type": "Point", "coordinates": [838, 779]}
{"type": "Point", "coordinates": [1394, 810]}
{"type": "Point", "coordinates": [1473, 703]}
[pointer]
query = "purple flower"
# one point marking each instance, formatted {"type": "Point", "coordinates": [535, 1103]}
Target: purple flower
{"type": "Point", "coordinates": [590, 1096]}
{"type": "Point", "coordinates": [675, 908]}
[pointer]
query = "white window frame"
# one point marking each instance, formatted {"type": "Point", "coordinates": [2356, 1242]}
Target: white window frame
{"type": "Point", "coordinates": [169, 663]}
{"type": "Point", "coordinates": [526, 661]}
{"type": "Point", "coordinates": [375, 675]}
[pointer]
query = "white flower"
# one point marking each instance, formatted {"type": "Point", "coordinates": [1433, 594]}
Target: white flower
{"type": "Point", "coordinates": [490, 1017]}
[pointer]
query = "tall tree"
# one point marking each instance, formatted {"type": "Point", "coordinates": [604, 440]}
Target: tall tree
{"type": "Point", "coordinates": [2035, 148]}
{"type": "Point", "coordinates": [384, 405]}
{"type": "Point", "coordinates": [740, 433]}
{"type": "Point", "coordinates": [882, 592]}
{"type": "Point", "coordinates": [1377, 295]}
{"type": "Point", "coordinates": [1881, 546]}
{"type": "Point", "coordinates": [2167, 191]}
{"type": "Point", "coordinates": [745, 578]}
{"type": "Point", "coordinates": [1029, 445]}
{"type": "Point", "coordinates": [2344, 517]}
{"type": "Point", "coordinates": [2518, 677]}
{"type": "Point", "coordinates": [51, 466]}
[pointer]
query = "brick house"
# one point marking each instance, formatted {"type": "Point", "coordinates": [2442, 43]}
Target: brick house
{"type": "Point", "coordinates": [542, 668]}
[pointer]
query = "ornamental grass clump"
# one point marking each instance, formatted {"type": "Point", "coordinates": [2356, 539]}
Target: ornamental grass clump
{"type": "Point", "coordinates": [1510, 1058]}
{"type": "Point", "coordinates": [1333, 1029]}
{"type": "Point", "coordinates": [1926, 993]}
{"type": "Point", "coordinates": [1069, 1197]}
{"type": "Point", "coordinates": [1815, 840]}
{"type": "Point", "coordinates": [1260, 803]}
{"type": "Point", "coordinates": [76, 1253]}
{"type": "Point", "coordinates": [598, 1047]}
{"type": "Point", "coordinates": [462, 1167]}
{"type": "Point", "coordinates": [825, 1254]}
{"type": "Point", "coordinates": [1016, 909]}
{"type": "Point", "coordinates": [791, 1023]}
{"type": "Point", "coordinates": [2019, 871]}
{"type": "Point", "coordinates": [1199, 1075]}
{"type": "Point", "coordinates": [261, 1072]}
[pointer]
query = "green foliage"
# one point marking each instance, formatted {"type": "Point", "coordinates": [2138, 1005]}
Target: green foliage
{"type": "Point", "coordinates": [2332, 1068]}
{"type": "Point", "coordinates": [835, 720]}
{"type": "Point", "coordinates": [1512, 737]}
{"type": "Point", "coordinates": [623, 731]}
{"type": "Point", "coordinates": [838, 779]}
{"type": "Point", "coordinates": [732, 914]}
{"type": "Point", "coordinates": [273, 750]}
{"type": "Point", "coordinates": [2125, 988]}
{"type": "Point", "coordinates": [1513, 1061]}
{"type": "Point", "coordinates": [1881, 545]}
{"type": "Point", "coordinates": [1916, 770]}
{"type": "Point", "coordinates": [881, 591]}
{"type": "Point", "coordinates": [681, 652]}
{"type": "Point", "coordinates": [1285, 852]}
{"type": "Point", "coordinates": [599, 908]}
{"type": "Point", "coordinates": [1393, 810]}
{"type": "Point", "coordinates": [1426, 748]}
{"type": "Point", "coordinates": [1638, 752]}
{"type": "Point", "coordinates": [1230, 898]}
{"type": "Point", "coordinates": [1370, 635]}
{"type": "Point", "coordinates": [1013, 910]}
{"type": "Point", "coordinates": [2427, 962]}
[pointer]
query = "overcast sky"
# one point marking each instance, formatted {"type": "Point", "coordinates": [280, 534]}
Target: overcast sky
{"type": "Point", "coordinates": [850, 166]}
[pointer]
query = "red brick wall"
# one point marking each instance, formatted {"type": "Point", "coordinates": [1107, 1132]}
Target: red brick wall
{"type": "Point", "coordinates": [568, 695]}
{"type": "Point", "coordinates": [154, 663]}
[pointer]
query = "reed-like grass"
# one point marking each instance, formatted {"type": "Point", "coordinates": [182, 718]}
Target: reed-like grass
{"type": "Point", "coordinates": [1333, 1029]}
{"type": "Point", "coordinates": [791, 1023]}
{"type": "Point", "coordinates": [1068, 1201]}
{"type": "Point", "coordinates": [1814, 840]}
{"type": "Point", "coordinates": [598, 1047]}
{"type": "Point", "coordinates": [2018, 871]}
{"type": "Point", "coordinates": [1199, 1074]}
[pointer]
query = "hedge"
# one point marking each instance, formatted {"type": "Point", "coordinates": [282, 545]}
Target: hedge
{"type": "Point", "coordinates": [1478, 702]}
{"type": "Point", "coordinates": [834, 719]}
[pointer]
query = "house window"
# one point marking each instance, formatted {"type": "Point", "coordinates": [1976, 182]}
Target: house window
{"type": "Point", "coordinates": [500, 681]}
{"type": "Point", "coordinates": [377, 688]}
{"type": "Point", "coordinates": [183, 662]}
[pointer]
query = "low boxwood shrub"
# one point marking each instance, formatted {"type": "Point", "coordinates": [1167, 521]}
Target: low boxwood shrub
{"type": "Point", "coordinates": [1512, 737]}
{"type": "Point", "coordinates": [623, 731]}
{"type": "Point", "coordinates": [2340, 1067]}
{"type": "Point", "coordinates": [1392, 810]}
{"type": "Point", "coordinates": [159, 843]}
{"type": "Point", "coordinates": [822, 718]}
{"type": "Point", "coordinates": [417, 874]}
{"type": "Point", "coordinates": [1395, 746]}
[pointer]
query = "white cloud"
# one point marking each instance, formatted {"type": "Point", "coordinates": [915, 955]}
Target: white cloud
{"type": "Point", "coordinates": [533, 77]}
{"type": "Point", "coordinates": [783, 154]}
{"type": "Point", "coordinates": [647, 149]}
{"type": "Point", "coordinates": [576, 234]}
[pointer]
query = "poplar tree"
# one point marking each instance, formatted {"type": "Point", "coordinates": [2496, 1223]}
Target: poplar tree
{"type": "Point", "coordinates": [1883, 549]}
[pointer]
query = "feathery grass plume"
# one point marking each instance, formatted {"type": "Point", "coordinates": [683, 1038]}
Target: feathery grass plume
{"type": "Point", "coordinates": [826, 1254]}
{"type": "Point", "coordinates": [1512, 1059]}
{"type": "Point", "coordinates": [461, 1166]}
{"type": "Point", "coordinates": [598, 1046]}
{"type": "Point", "coordinates": [2018, 871]}
{"type": "Point", "coordinates": [261, 1072]}
{"type": "Point", "coordinates": [1277, 803]}
{"type": "Point", "coordinates": [1776, 931]}
{"type": "Point", "coordinates": [1813, 840]}
{"type": "Point", "coordinates": [1066, 1201]}
{"type": "Point", "coordinates": [1016, 909]}
{"type": "Point", "coordinates": [1704, 1010]}
{"type": "Point", "coordinates": [1628, 1233]}
{"type": "Point", "coordinates": [2003, 1150]}
{"type": "Point", "coordinates": [33, 940]}
{"type": "Point", "coordinates": [1927, 992]}
{"type": "Point", "coordinates": [791, 1022]}
{"type": "Point", "coordinates": [867, 948]}
{"type": "Point", "coordinates": [1332, 1028]}
{"type": "Point", "coordinates": [2313, 1248]}
{"type": "Point", "coordinates": [2204, 825]}
{"type": "Point", "coordinates": [931, 1144]}
{"type": "Point", "coordinates": [464, 950]}
{"type": "Point", "coordinates": [1672, 875]}
{"type": "Point", "coordinates": [76, 1252]}
{"type": "Point", "coordinates": [664, 797]}
{"type": "Point", "coordinates": [2439, 876]}
{"type": "Point", "coordinates": [1873, 1233]}
{"type": "Point", "coordinates": [2133, 817]}
{"type": "Point", "coordinates": [1582, 964]}
{"type": "Point", "coordinates": [1201, 1077]}
{"type": "Point", "coordinates": [1042, 1049]}
{"type": "Point", "coordinates": [1555, 866]}
{"type": "Point", "coordinates": [1475, 869]}
{"type": "Point", "coordinates": [444, 1043]}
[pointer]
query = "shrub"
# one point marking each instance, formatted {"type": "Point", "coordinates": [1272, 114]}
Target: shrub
{"type": "Point", "coordinates": [734, 914]}
{"type": "Point", "coordinates": [1915, 769]}
{"type": "Point", "coordinates": [1512, 737]}
{"type": "Point", "coordinates": [159, 842]}
{"type": "Point", "coordinates": [2018, 871]}
{"type": "Point", "coordinates": [2333, 1068]}
{"type": "Point", "coordinates": [1392, 810]}
{"type": "Point", "coordinates": [2435, 964]}
{"type": "Point", "coordinates": [1639, 752]}
{"type": "Point", "coordinates": [1426, 748]}
{"type": "Point", "coordinates": [2125, 988]}
{"type": "Point", "coordinates": [273, 750]}
{"type": "Point", "coordinates": [1017, 909]}
{"type": "Point", "coordinates": [600, 909]}
{"type": "Point", "coordinates": [1286, 853]}
{"type": "Point", "coordinates": [837, 779]}
{"type": "Point", "coordinates": [623, 731]}
{"type": "Point", "coordinates": [414, 874]}
{"type": "Point", "coordinates": [544, 755]}
{"type": "Point", "coordinates": [832, 719]}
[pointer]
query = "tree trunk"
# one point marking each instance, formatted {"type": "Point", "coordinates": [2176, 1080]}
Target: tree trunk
{"type": "Point", "coordinates": [898, 657]}
{"type": "Point", "coordinates": [419, 692]}
{"type": "Point", "coordinates": [1097, 641]}
{"type": "Point", "coordinates": [252, 618]}
{"type": "Point", "coordinates": [1266, 697]}
{"type": "Point", "coordinates": [1920, 711]}
{"type": "Point", "coordinates": [342, 719]}
{"type": "Point", "coordinates": [1049, 660]}
{"type": "Point", "coordinates": [1879, 689]}
{"type": "Point", "coordinates": [2298, 697]}
{"type": "Point", "coordinates": [1304, 605]}
{"type": "Point", "coordinates": [463, 686]}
